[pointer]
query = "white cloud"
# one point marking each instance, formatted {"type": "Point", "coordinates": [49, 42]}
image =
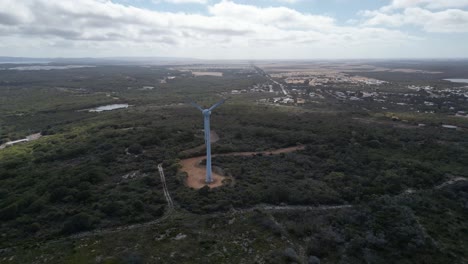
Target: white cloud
{"type": "Point", "coordinates": [280, 17]}
{"type": "Point", "coordinates": [182, 1]}
{"type": "Point", "coordinates": [289, 1]}
{"type": "Point", "coordinates": [429, 4]}
{"type": "Point", "coordinates": [420, 13]}
{"type": "Point", "coordinates": [229, 30]}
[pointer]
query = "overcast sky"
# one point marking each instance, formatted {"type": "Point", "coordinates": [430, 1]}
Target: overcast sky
{"type": "Point", "coordinates": [235, 29]}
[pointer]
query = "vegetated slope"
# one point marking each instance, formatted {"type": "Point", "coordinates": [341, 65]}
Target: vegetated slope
{"type": "Point", "coordinates": [99, 170]}
{"type": "Point", "coordinates": [424, 227]}
{"type": "Point", "coordinates": [345, 162]}
{"type": "Point", "coordinates": [91, 170]}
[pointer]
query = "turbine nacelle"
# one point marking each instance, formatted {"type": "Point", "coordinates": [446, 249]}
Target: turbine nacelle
{"type": "Point", "coordinates": [206, 112]}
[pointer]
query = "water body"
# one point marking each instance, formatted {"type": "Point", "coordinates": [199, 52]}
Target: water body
{"type": "Point", "coordinates": [23, 62]}
{"type": "Point", "coordinates": [457, 80]}
{"type": "Point", "coordinates": [108, 107]}
{"type": "Point", "coordinates": [48, 67]}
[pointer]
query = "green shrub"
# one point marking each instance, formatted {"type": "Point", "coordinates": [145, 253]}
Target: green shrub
{"type": "Point", "coordinates": [9, 212]}
{"type": "Point", "coordinates": [77, 223]}
{"type": "Point", "coordinates": [135, 149]}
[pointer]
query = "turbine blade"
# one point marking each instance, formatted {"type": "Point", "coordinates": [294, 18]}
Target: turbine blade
{"type": "Point", "coordinates": [195, 105]}
{"type": "Point", "coordinates": [217, 104]}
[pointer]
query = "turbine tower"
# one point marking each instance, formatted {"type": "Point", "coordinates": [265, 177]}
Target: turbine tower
{"type": "Point", "coordinates": [206, 121]}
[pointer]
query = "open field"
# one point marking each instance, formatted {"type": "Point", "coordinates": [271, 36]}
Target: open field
{"type": "Point", "coordinates": [198, 73]}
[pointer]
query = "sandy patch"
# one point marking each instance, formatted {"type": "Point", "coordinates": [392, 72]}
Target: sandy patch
{"type": "Point", "coordinates": [196, 173]}
{"type": "Point", "coordinates": [202, 73]}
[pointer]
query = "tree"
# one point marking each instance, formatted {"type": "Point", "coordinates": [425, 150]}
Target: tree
{"type": "Point", "coordinates": [77, 223]}
{"type": "Point", "coordinates": [135, 149]}
{"type": "Point", "coordinates": [9, 212]}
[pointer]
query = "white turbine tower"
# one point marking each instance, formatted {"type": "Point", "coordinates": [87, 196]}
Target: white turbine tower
{"type": "Point", "coordinates": [206, 120]}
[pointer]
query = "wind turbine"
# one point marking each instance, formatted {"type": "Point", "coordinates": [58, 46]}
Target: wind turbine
{"type": "Point", "coordinates": [206, 121]}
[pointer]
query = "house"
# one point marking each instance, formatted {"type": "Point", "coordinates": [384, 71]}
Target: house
{"type": "Point", "coordinates": [449, 126]}
{"type": "Point", "coordinates": [301, 101]}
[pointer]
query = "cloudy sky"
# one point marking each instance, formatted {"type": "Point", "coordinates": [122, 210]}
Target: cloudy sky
{"type": "Point", "coordinates": [235, 29]}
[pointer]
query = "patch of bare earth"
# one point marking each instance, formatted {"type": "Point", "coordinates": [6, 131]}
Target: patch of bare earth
{"type": "Point", "coordinates": [196, 172]}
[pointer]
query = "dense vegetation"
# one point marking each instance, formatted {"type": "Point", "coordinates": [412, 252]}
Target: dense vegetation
{"type": "Point", "coordinates": [99, 170]}
{"type": "Point", "coordinates": [344, 162]}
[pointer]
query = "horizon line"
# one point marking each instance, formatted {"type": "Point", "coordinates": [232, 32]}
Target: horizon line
{"type": "Point", "coordinates": [229, 59]}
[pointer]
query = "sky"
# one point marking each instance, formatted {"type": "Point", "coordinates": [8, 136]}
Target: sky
{"type": "Point", "coordinates": [235, 29]}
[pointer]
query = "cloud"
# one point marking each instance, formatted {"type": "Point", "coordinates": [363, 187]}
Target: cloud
{"type": "Point", "coordinates": [418, 13]}
{"type": "Point", "coordinates": [228, 29]}
{"type": "Point", "coordinates": [7, 19]}
{"type": "Point", "coordinates": [182, 1]}
{"type": "Point", "coordinates": [289, 1]}
{"type": "Point", "coordinates": [280, 17]}
{"type": "Point", "coordinates": [428, 4]}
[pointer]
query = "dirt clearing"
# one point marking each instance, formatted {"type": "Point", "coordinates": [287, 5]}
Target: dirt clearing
{"type": "Point", "coordinates": [197, 173]}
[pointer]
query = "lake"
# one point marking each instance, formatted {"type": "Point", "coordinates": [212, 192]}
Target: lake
{"type": "Point", "coordinates": [108, 107]}
{"type": "Point", "coordinates": [457, 80]}
{"type": "Point", "coordinates": [48, 67]}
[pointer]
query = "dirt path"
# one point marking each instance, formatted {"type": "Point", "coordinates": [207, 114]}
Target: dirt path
{"type": "Point", "coordinates": [279, 208]}
{"type": "Point", "coordinates": [437, 187]}
{"type": "Point", "coordinates": [197, 173]}
{"type": "Point", "coordinates": [450, 182]}
{"type": "Point", "coordinates": [26, 139]}
{"type": "Point", "coordinates": [165, 190]}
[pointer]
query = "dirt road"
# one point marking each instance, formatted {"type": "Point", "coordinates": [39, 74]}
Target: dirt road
{"type": "Point", "coordinates": [170, 204]}
{"type": "Point", "coordinates": [27, 139]}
